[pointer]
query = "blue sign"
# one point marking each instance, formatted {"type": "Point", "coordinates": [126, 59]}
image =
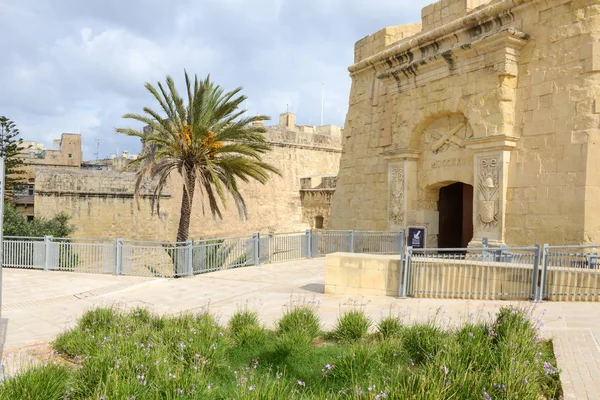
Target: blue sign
{"type": "Point", "coordinates": [416, 238]}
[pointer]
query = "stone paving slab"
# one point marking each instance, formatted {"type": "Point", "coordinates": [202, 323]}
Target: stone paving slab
{"type": "Point", "coordinates": [59, 298]}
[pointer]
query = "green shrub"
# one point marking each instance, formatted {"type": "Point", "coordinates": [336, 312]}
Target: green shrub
{"type": "Point", "coordinates": [360, 363]}
{"type": "Point", "coordinates": [390, 327]}
{"type": "Point", "coordinates": [514, 324]}
{"type": "Point", "coordinates": [245, 328]}
{"type": "Point", "coordinates": [352, 325]}
{"type": "Point", "coordinates": [287, 343]}
{"type": "Point", "coordinates": [300, 318]}
{"type": "Point", "coordinates": [423, 341]}
{"type": "Point", "coordinates": [16, 224]}
{"type": "Point", "coordinates": [120, 354]}
{"type": "Point", "coordinates": [48, 382]}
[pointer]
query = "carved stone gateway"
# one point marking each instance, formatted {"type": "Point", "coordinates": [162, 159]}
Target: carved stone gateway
{"type": "Point", "coordinates": [498, 95]}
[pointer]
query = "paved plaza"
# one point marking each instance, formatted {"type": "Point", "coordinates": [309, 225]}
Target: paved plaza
{"type": "Point", "coordinates": [37, 305]}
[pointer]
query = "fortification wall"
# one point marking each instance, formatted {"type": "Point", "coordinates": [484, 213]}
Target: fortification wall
{"type": "Point", "coordinates": [102, 204]}
{"type": "Point", "coordinates": [500, 95]}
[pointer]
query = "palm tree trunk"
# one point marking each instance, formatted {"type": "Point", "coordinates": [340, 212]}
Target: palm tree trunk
{"type": "Point", "coordinates": [187, 199]}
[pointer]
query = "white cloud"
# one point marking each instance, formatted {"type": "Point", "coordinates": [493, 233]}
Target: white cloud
{"type": "Point", "coordinates": [72, 65]}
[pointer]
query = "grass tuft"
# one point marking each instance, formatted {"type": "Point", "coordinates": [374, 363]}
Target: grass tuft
{"type": "Point", "coordinates": [301, 317]}
{"type": "Point", "coordinates": [115, 354]}
{"type": "Point", "coordinates": [390, 327]}
{"type": "Point", "coordinates": [352, 325]}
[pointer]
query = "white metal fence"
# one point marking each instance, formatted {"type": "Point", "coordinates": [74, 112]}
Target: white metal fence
{"type": "Point", "coordinates": [491, 273]}
{"type": "Point", "coordinates": [168, 259]}
{"type": "Point", "coordinates": [570, 273]}
{"type": "Point", "coordinates": [535, 273]}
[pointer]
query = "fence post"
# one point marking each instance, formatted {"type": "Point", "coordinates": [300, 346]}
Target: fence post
{"type": "Point", "coordinates": [47, 248]}
{"type": "Point", "coordinates": [309, 244]}
{"type": "Point", "coordinates": [119, 256]}
{"type": "Point", "coordinates": [544, 271]}
{"type": "Point", "coordinates": [401, 239]}
{"type": "Point", "coordinates": [485, 255]}
{"type": "Point", "coordinates": [256, 248]}
{"type": "Point", "coordinates": [536, 277]}
{"type": "Point", "coordinates": [351, 241]}
{"type": "Point", "coordinates": [404, 274]}
{"type": "Point", "coordinates": [189, 247]}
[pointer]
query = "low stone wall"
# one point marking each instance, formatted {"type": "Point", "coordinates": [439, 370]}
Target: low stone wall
{"type": "Point", "coordinates": [574, 284]}
{"type": "Point", "coordinates": [362, 274]}
{"type": "Point", "coordinates": [430, 277]}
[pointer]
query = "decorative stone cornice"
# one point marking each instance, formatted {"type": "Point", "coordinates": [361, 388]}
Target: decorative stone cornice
{"type": "Point", "coordinates": [463, 31]}
{"type": "Point", "coordinates": [505, 43]}
{"type": "Point", "coordinates": [499, 142]}
{"type": "Point", "coordinates": [401, 154]}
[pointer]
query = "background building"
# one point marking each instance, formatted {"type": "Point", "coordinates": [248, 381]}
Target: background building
{"type": "Point", "coordinates": [65, 154]}
{"type": "Point", "coordinates": [101, 201]}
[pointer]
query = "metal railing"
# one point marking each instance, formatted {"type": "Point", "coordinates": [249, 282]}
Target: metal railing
{"type": "Point", "coordinates": [169, 259]}
{"type": "Point", "coordinates": [491, 273]}
{"type": "Point", "coordinates": [216, 254]}
{"type": "Point", "coordinates": [24, 252]}
{"type": "Point", "coordinates": [570, 273]}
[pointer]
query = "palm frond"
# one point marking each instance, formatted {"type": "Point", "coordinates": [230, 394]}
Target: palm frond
{"type": "Point", "coordinates": [206, 139]}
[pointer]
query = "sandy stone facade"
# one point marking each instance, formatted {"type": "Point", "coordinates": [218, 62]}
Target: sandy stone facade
{"type": "Point", "coordinates": [481, 121]}
{"type": "Point", "coordinates": [65, 154]}
{"type": "Point", "coordinates": [102, 203]}
{"type": "Point", "coordinates": [315, 196]}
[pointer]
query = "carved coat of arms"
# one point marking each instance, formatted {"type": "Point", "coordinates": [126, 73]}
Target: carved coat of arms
{"type": "Point", "coordinates": [488, 206]}
{"type": "Point", "coordinates": [396, 206]}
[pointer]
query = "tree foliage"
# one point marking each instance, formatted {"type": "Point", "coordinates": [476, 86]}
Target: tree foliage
{"type": "Point", "coordinates": [16, 224]}
{"type": "Point", "coordinates": [206, 139]}
{"type": "Point", "coordinates": [10, 149]}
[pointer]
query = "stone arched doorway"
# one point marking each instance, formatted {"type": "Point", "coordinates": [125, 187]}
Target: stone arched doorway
{"type": "Point", "coordinates": [447, 169]}
{"type": "Point", "coordinates": [455, 207]}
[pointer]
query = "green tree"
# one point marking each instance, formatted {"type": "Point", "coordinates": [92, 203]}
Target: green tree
{"type": "Point", "coordinates": [207, 141]}
{"type": "Point", "coordinates": [16, 224]}
{"type": "Point", "coordinates": [10, 149]}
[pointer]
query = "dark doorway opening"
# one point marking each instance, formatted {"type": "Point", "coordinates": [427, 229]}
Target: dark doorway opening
{"type": "Point", "coordinates": [319, 222]}
{"type": "Point", "coordinates": [456, 216]}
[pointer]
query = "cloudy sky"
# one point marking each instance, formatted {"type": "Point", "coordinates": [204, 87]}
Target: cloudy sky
{"type": "Point", "coordinates": [79, 65]}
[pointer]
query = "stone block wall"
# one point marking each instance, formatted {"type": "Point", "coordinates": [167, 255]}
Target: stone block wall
{"type": "Point", "coordinates": [315, 195]}
{"type": "Point", "coordinates": [522, 77]}
{"type": "Point", "coordinates": [102, 204]}
{"type": "Point", "coordinates": [361, 274]}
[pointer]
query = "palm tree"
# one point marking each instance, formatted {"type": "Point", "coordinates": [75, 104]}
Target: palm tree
{"type": "Point", "coordinates": [207, 141]}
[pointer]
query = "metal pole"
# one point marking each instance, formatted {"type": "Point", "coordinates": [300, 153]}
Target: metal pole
{"type": "Point", "coordinates": [544, 271]}
{"type": "Point", "coordinates": [402, 240]}
{"type": "Point", "coordinates": [403, 289]}
{"type": "Point", "coordinates": [309, 244]}
{"type": "Point", "coordinates": [2, 191]}
{"type": "Point", "coordinates": [536, 268]}
{"type": "Point", "coordinates": [190, 253]}
{"type": "Point", "coordinates": [322, 101]}
{"type": "Point", "coordinates": [119, 254]}
{"type": "Point", "coordinates": [47, 252]}
{"type": "Point", "coordinates": [256, 246]}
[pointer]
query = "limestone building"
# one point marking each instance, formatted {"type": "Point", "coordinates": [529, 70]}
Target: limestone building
{"type": "Point", "coordinates": [64, 154]}
{"type": "Point", "coordinates": [481, 121]}
{"type": "Point", "coordinates": [101, 201]}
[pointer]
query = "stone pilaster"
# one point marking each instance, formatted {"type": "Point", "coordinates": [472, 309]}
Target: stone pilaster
{"type": "Point", "coordinates": [491, 165]}
{"type": "Point", "coordinates": [402, 186]}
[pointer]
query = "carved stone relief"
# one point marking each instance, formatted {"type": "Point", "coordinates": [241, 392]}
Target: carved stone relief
{"type": "Point", "coordinates": [488, 185]}
{"type": "Point", "coordinates": [396, 205]}
{"type": "Point", "coordinates": [447, 133]}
